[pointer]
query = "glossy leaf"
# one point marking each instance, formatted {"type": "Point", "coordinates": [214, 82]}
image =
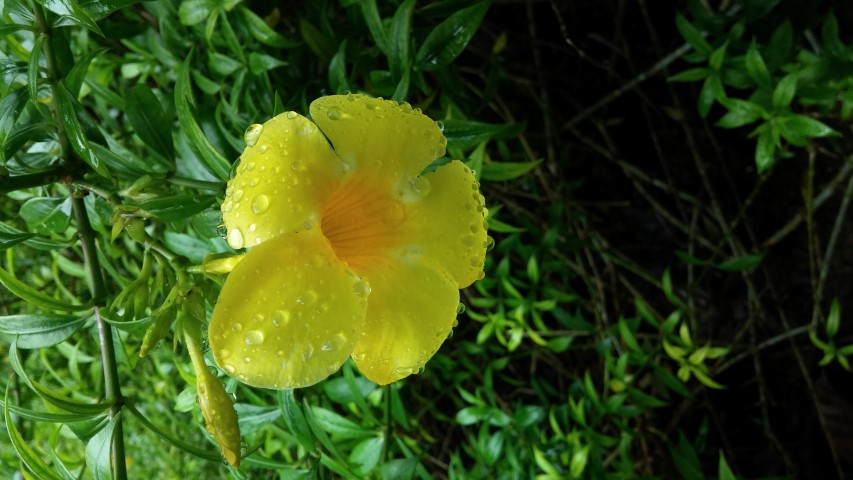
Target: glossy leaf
{"type": "Point", "coordinates": [692, 35]}
{"type": "Point", "coordinates": [10, 109]}
{"type": "Point", "coordinates": [67, 107]}
{"type": "Point", "coordinates": [497, 171]}
{"type": "Point", "coordinates": [755, 66]}
{"type": "Point", "coordinates": [262, 32]}
{"type": "Point", "coordinates": [28, 456]}
{"type": "Point", "coordinates": [198, 141]}
{"type": "Point", "coordinates": [149, 120]}
{"type": "Point", "coordinates": [39, 330]}
{"type": "Point", "coordinates": [784, 91]}
{"type": "Point", "coordinates": [374, 23]}
{"type": "Point", "coordinates": [33, 68]}
{"type": "Point", "coordinates": [47, 215]}
{"type": "Point", "coordinates": [470, 133]}
{"type": "Point", "coordinates": [8, 240]}
{"type": "Point", "coordinates": [98, 451]}
{"type": "Point", "coordinates": [176, 207]}
{"type": "Point", "coordinates": [447, 40]}
{"type": "Point", "coordinates": [400, 39]}
{"type": "Point", "coordinates": [72, 10]}
{"type": "Point", "coordinates": [31, 295]}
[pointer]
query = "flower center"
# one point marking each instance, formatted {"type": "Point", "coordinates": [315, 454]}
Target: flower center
{"type": "Point", "coordinates": [360, 222]}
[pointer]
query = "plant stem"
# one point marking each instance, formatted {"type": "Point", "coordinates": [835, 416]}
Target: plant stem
{"type": "Point", "coordinates": [105, 333]}
{"type": "Point", "coordinates": [93, 267]}
{"type": "Point", "coordinates": [18, 182]}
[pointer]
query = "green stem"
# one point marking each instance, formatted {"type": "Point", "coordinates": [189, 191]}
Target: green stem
{"type": "Point", "coordinates": [197, 184]}
{"type": "Point", "coordinates": [105, 333]}
{"type": "Point", "coordinates": [18, 182]}
{"type": "Point", "coordinates": [389, 427]}
{"type": "Point", "coordinates": [93, 267]}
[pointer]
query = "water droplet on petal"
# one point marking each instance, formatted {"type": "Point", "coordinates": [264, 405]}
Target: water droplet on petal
{"type": "Point", "coordinates": [260, 204]}
{"type": "Point", "coordinates": [291, 115]}
{"type": "Point", "coordinates": [229, 191]}
{"type": "Point", "coordinates": [307, 352]}
{"type": "Point", "coordinates": [334, 114]}
{"type": "Point", "coordinates": [281, 318]}
{"type": "Point", "coordinates": [308, 224]}
{"type": "Point", "coordinates": [258, 318]}
{"type": "Point", "coordinates": [238, 195]}
{"type": "Point", "coordinates": [229, 369]}
{"type": "Point", "coordinates": [440, 126]}
{"type": "Point", "coordinates": [416, 189]}
{"type": "Point", "coordinates": [253, 182]}
{"type": "Point", "coordinates": [357, 357]}
{"type": "Point", "coordinates": [297, 166]}
{"type": "Point", "coordinates": [460, 309]}
{"type": "Point", "coordinates": [254, 337]}
{"type": "Point", "coordinates": [236, 327]}
{"type": "Point", "coordinates": [475, 262]}
{"type": "Point", "coordinates": [252, 134]}
{"type": "Point", "coordinates": [247, 360]}
{"type": "Point", "coordinates": [307, 298]}
{"type": "Point", "coordinates": [227, 206]}
{"type": "Point", "coordinates": [361, 288]}
{"type": "Point", "coordinates": [262, 149]}
{"type": "Point", "coordinates": [225, 353]}
{"type": "Point", "coordinates": [490, 244]}
{"type": "Point", "coordinates": [235, 239]}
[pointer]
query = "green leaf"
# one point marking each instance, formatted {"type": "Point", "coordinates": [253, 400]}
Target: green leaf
{"type": "Point", "coordinates": [67, 107]}
{"type": "Point", "coordinates": [49, 417]}
{"type": "Point", "coordinates": [209, 454]}
{"type": "Point", "coordinates": [150, 121]}
{"type": "Point", "coordinates": [262, 32]}
{"type": "Point", "coordinates": [741, 112]}
{"type": "Point", "coordinates": [198, 141]}
{"type": "Point", "coordinates": [706, 96]}
{"type": "Point", "coordinates": [833, 320]}
{"type": "Point", "coordinates": [399, 469]}
{"type": "Point", "coordinates": [8, 240]}
{"type": "Point", "coordinates": [724, 472]}
{"type": "Point", "coordinates": [47, 215]}
{"type": "Point", "coordinates": [28, 456]}
{"type": "Point", "coordinates": [72, 10]}
{"type": "Point", "coordinates": [784, 91]}
{"type": "Point", "coordinates": [805, 126]}
{"type": "Point", "coordinates": [33, 68]}
{"type": "Point", "coordinates": [98, 451]}
{"type": "Point", "coordinates": [10, 109]}
{"type": "Point", "coordinates": [497, 171]}
{"type": "Point", "coordinates": [755, 66]}
{"type": "Point", "coordinates": [32, 295]}
{"type": "Point", "coordinates": [339, 427]}
{"type": "Point", "coordinates": [400, 40]}
{"type": "Point", "coordinates": [192, 12]}
{"type": "Point", "coordinates": [469, 133]}
{"type": "Point", "coordinates": [686, 460]}
{"type": "Point", "coordinates": [338, 70]}
{"type": "Point", "coordinates": [366, 454]}
{"type": "Point", "coordinates": [176, 207]}
{"type": "Point", "coordinates": [738, 264]}
{"type": "Point", "coordinates": [99, 9]}
{"type": "Point", "coordinates": [223, 64]}
{"type": "Point", "coordinates": [295, 420]}
{"type": "Point", "coordinates": [374, 23]}
{"type": "Point", "coordinates": [39, 330]}
{"type": "Point", "coordinates": [260, 63]}
{"type": "Point", "coordinates": [449, 38]}
{"type": "Point", "coordinates": [716, 59]}
{"type": "Point", "coordinates": [74, 79]}
{"type": "Point", "coordinates": [765, 149]}
{"type": "Point", "coordinates": [316, 40]}
{"type": "Point", "coordinates": [691, 75]}
{"type": "Point", "coordinates": [692, 36]}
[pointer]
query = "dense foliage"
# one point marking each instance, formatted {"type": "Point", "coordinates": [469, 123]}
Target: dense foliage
{"type": "Point", "coordinates": [667, 188]}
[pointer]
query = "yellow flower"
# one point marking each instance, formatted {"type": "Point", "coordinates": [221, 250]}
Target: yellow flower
{"type": "Point", "coordinates": [354, 252]}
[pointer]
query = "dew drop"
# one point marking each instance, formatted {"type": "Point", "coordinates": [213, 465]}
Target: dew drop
{"type": "Point", "coordinates": [416, 189]}
{"type": "Point", "coordinates": [482, 275]}
{"type": "Point", "coordinates": [405, 370]}
{"type": "Point", "coordinates": [254, 337]}
{"type": "Point", "coordinates": [308, 224]}
{"type": "Point", "coordinates": [291, 115]}
{"type": "Point", "coordinates": [229, 369]}
{"type": "Point", "coordinates": [468, 240]}
{"type": "Point", "coordinates": [357, 357]}
{"type": "Point", "coordinates": [334, 114]}
{"type": "Point", "coordinates": [224, 353]}
{"type": "Point", "coordinates": [370, 105]}
{"type": "Point", "coordinates": [229, 191]}
{"type": "Point", "coordinates": [361, 288]}
{"type": "Point", "coordinates": [247, 360]}
{"type": "Point", "coordinates": [260, 204]}
{"type": "Point", "coordinates": [307, 352]}
{"type": "Point", "coordinates": [262, 149]}
{"type": "Point", "coordinates": [297, 166]}
{"type": "Point", "coordinates": [281, 318]}
{"type": "Point", "coordinates": [253, 182]}
{"type": "Point", "coordinates": [235, 239]}
{"type": "Point", "coordinates": [238, 195]}
{"type": "Point", "coordinates": [252, 228]}
{"type": "Point", "coordinates": [440, 126]}
{"type": "Point", "coordinates": [252, 134]}
{"type": "Point", "coordinates": [475, 262]}
{"type": "Point", "coordinates": [307, 298]}
{"type": "Point", "coordinates": [308, 129]}
{"type": "Point", "coordinates": [279, 353]}
{"type": "Point", "coordinates": [227, 206]}
{"type": "Point", "coordinates": [460, 309]}
{"type": "Point", "coordinates": [490, 244]}
{"type": "Point", "coordinates": [258, 318]}
{"type": "Point", "coordinates": [455, 323]}
{"type": "Point", "coordinates": [236, 327]}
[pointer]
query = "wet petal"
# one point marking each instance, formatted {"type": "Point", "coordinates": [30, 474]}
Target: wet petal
{"type": "Point", "coordinates": [446, 221]}
{"type": "Point", "coordinates": [284, 176]}
{"type": "Point", "coordinates": [379, 138]}
{"type": "Point", "coordinates": [411, 310]}
{"type": "Point", "coordinates": [289, 314]}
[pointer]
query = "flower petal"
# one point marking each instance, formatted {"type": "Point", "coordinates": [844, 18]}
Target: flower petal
{"type": "Point", "coordinates": [379, 138]}
{"type": "Point", "coordinates": [284, 176]}
{"type": "Point", "coordinates": [446, 221]}
{"type": "Point", "coordinates": [289, 314]}
{"type": "Point", "coordinates": [410, 312]}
